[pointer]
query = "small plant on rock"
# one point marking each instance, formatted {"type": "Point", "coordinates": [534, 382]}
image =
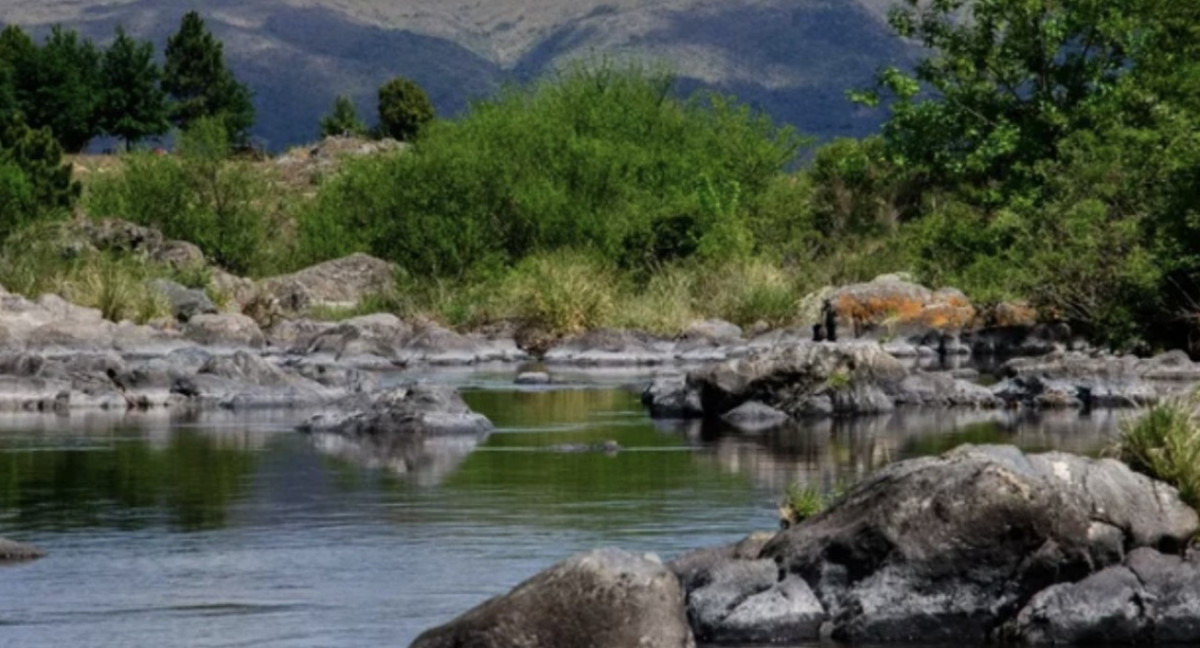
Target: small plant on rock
{"type": "Point", "coordinates": [802, 502]}
{"type": "Point", "coordinates": [1164, 443]}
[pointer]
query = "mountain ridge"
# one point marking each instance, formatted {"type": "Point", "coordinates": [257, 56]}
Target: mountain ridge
{"type": "Point", "coordinates": [791, 58]}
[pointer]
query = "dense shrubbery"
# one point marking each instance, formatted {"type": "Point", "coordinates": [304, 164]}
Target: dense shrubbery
{"type": "Point", "coordinates": [224, 206]}
{"type": "Point", "coordinates": [601, 159]}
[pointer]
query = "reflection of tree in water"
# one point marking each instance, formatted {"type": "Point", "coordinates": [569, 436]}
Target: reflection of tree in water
{"type": "Point", "coordinates": [187, 481]}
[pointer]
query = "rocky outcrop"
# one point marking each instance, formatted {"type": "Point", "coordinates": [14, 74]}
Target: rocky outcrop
{"type": "Point", "coordinates": [980, 543]}
{"type": "Point", "coordinates": [11, 552]}
{"type": "Point", "coordinates": [605, 599]}
{"type": "Point", "coordinates": [892, 306]}
{"type": "Point", "coordinates": [116, 235]}
{"type": "Point", "coordinates": [384, 340]}
{"type": "Point", "coordinates": [803, 380]}
{"type": "Point", "coordinates": [227, 330]}
{"type": "Point", "coordinates": [415, 410]}
{"type": "Point", "coordinates": [1079, 380]}
{"type": "Point", "coordinates": [340, 282]}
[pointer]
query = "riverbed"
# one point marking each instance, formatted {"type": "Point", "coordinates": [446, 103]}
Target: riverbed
{"type": "Point", "coordinates": [234, 530]}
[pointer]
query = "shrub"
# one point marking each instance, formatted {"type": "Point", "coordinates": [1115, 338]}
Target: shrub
{"type": "Point", "coordinates": [561, 293]}
{"type": "Point", "coordinates": [342, 119]}
{"type": "Point", "coordinates": [1164, 443]}
{"type": "Point", "coordinates": [404, 109]}
{"type": "Point", "coordinates": [599, 159]}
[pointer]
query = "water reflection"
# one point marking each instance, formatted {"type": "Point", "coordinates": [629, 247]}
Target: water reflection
{"type": "Point", "coordinates": [127, 477]}
{"type": "Point", "coordinates": [832, 453]}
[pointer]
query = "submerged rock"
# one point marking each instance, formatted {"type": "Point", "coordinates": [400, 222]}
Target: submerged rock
{"type": "Point", "coordinates": [410, 410]}
{"type": "Point", "coordinates": [606, 598]}
{"type": "Point", "coordinates": [18, 552]}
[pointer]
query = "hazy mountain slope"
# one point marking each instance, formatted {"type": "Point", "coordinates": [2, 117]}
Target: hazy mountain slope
{"type": "Point", "coordinates": [793, 58]}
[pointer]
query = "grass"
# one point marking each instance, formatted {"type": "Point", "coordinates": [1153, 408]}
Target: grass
{"type": "Point", "coordinates": [1164, 443]}
{"type": "Point", "coordinates": [802, 502]}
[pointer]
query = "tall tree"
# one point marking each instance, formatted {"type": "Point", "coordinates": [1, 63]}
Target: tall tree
{"type": "Point", "coordinates": [199, 83]}
{"type": "Point", "coordinates": [133, 105]}
{"type": "Point", "coordinates": [18, 53]}
{"type": "Point", "coordinates": [63, 89]}
{"type": "Point", "coordinates": [342, 119]}
{"type": "Point", "coordinates": [403, 109]}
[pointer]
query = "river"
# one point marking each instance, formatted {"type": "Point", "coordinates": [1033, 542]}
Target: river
{"type": "Point", "coordinates": [233, 530]}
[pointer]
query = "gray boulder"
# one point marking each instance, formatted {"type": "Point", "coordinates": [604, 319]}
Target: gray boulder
{"type": "Point", "coordinates": [606, 598]}
{"type": "Point", "coordinates": [339, 282]}
{"type": "Point", "coordinates": [185, 302]}
{"type": "Point", "coordinates": [610, 347]}
{"type": "Point", "coordinates": [1151, 598]}
{"type": "Point", "coordinates": [671, 397]}
{"type": "Point", "coordinates": [947, 548]}
{"type": "Point", "coordinates": [420, 410]}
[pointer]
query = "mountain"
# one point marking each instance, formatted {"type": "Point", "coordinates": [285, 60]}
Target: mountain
{"type": "Point", "coordinates": [792, 58]}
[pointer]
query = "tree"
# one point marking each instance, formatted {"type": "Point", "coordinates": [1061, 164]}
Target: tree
{"type": "Point", "coordinates": [34, 182]}
{"type": "Point", "coordinates": [403, 109]}
{"type": "Point", "coordinates": [1007, 80]}
{"type": "Point", "coordinates": [17, 56]}
{"type": "Point", "coordinates": [133, 105]}
{"type": "Point", "coordinates": [342, 119]}
{"type": "Point", "coordinates": [199, 83]}
{"type": "Point", "coordinates": [61, 89]}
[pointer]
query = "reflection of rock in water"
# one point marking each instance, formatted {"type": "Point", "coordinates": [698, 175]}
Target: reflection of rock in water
{"type": "Point", "coordinates": [428, 461]}
{"type": "Point", "coordinates": [832, 453]}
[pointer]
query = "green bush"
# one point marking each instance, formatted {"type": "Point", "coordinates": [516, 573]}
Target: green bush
{"type": "Point", "coordinates": [404, 109]}
{"type": "Point", "coordinates": [600, 159]}
{"type": "Point", "coordinates": [199, 195]}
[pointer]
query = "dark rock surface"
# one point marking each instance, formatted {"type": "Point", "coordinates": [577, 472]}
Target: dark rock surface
{"type": "Point", "coordinates": [415, 410]}
{"type": "Point", "coordinates": [606, 598]}
{"type": "Point", "coordinates": [185, 302]}
{"type": "Point", "coordinates": [949, 548]}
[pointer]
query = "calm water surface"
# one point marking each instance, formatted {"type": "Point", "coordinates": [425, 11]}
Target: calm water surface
{"type": "Point", "coordinates": [236, 531]}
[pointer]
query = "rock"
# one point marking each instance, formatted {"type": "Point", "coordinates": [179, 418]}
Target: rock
{"type": "Point", "coordinates": [237, 290]}
{"type": "Point", "coordinates": [415, 409]}
{"type": "Point", "coordinates": [606, 598]}
{"type": "Point", "coordinates": [940, 389]}
{"type": "Point", "coordinates": [296, 334]}
{"type": "Point", "coordinates": [1151, 598]}
{"type": "Point", "coordinates": [945, 548]}
{"type": "Point", "coordinates": [245, 380]}
{"type": "Point", "coordinates": [713, 329]}
{"type": "Point", "coordinates": [610, 347]}
{"type": "Point", "coordinates": [743, 602]}
{"type": "Point", "coordinates": [339, 282]}
{"type": "Point", "coordinates": [224, 330]}
{"type": "Point", "coordinates": [17, 552]}
{"type": "Point", "coordinates": [802, 379]}
{"type": "Point", "coordinates": [185, 302]}
{"type": "Point", "coordinates": [671, 397]}
{"type": "Point", "coordinates": [893, 306]}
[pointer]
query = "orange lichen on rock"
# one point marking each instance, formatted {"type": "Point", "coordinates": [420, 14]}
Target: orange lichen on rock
{"type": "Point", "coordinates": [897, 306]}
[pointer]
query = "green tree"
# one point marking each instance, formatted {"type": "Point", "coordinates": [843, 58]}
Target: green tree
{"type": "Point", "coordinates": [133, 106]}
{"type": "Point", "coordinates": [404, 109]}
{"type": "Point", "coordinates": [34, 182]}
{"type": "Point", "coordinates": [18, 53]}
{"type": "Point", "coordinates": [199, 83]}
{"type": "Point", "coordinates": [62, 89]}
{"type": "Point", "coordinates": [342, 119]}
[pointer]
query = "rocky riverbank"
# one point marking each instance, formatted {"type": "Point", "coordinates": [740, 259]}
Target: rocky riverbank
{"type": "Point", "coordinates": [982, 544]}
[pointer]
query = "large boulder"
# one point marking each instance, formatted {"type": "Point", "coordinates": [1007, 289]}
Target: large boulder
{"type": "Point", "coordinates": [1150, 598]}
{"type": "Point", "coordinates": [339, 282]}
{"type": "Point", "coordinates": [948, 548]}
{"type": "Point", "coordinates": [892, 306]}
{"type": "Point", "coordinates": [602, 599]}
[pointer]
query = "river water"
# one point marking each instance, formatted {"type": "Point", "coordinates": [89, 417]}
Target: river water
{"type": "Point", "coordinates": [236, 531]}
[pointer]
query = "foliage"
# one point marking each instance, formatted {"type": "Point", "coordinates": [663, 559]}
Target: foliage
{"type": "Point", "coordinates": [60, 88]}
{"type": "Point", "coordinates": [35, 261]}
{"type": "Point", "coordinates": [34, 182]}
{"type": "Point", "coordinates": [561, 293]}
{"type": "Point", "coordinates": [803, 502]}
{"type": "Point", "coordinates": [342, 119]}
{"type": "Point", "coordinates": [200, 85]}
{"type": "Point", "coordinates": [201, 196]}
{"type": "Point", "coordinates": [133, 105]}
{"type": "Point", "coordinates": [404, 109]}
{"type": "Point", "coordinates": [601, 160]}
{"type": "Point", "coordinates": [1164, 443]}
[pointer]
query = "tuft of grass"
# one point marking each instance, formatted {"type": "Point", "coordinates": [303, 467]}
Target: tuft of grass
{"type": "Point", "coordinates": [1164, 443]}
{"type": "Point", "coordinates": [561, 292]}
{"type": "Point", "coordinates": [801, 502]}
